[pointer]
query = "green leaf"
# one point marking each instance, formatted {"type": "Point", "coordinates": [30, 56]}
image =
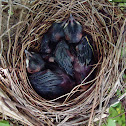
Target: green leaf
{"type": "Point", "coordinates": [124, 76]}
{"type": "Point", "coordinates": [124, 5]}
{"type": "Point", "coordinates": [119, 1]}
{"type": "Point", "coordinates": [120, 122]}
{"type": "Point", "coordinates": [112, 112]}
{"type": "Point", "coordinates": [115, 105]}
{"type": "Point", "coordinates": [118, 93]}
{"type": "Point", "coordinates": [118, 119]}
{"type": "Point", "coordinates": [10, 12]}
{"type": "Point", "coordinates": [4, 123]}
{"type": "Point", "coordinates": [123, 117]}
{"type": "Point", "coordinates": [116, 111]}
{"type": "Point", "coordinates": [103, 125]}
{"type": "Point", "coordinates": [111, 122]}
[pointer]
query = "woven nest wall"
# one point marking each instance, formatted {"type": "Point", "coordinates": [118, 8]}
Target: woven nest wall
{"type": "Point", "coordinates": [23, 29]}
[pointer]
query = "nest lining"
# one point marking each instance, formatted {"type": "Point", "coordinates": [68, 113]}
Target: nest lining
{"type": "Point", "coordinates": [104, 22]}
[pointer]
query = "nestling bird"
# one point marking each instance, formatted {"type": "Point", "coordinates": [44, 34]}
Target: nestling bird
{"type": "Point", "coordinates": [46, 48]}
{"type": "Point", "coordinates": [73, 30]}
{"type": "Point", "coordinates": [81, 71]}
{"type": "Point", "coordinates": [84, 51]}
{"type": "Point", "coordinates": [84, 60]}
{"type": "Point", "coordinates": [56, 32]}
{"type": "Point", "coordinates": [34, 62]}
{"type": "Point", "coordinates": [45, 44]}
{"type": "Point", "coordinates": [47, 79]}
{"type": "Point", "coordinates": [63, 57]}
{"type": "Point", "coordinates": [50, 84]}
{"type": "Point", "coordinates": [51, 38]}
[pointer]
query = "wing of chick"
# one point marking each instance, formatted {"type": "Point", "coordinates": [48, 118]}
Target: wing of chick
{"type": "Point", "coordinates": [64, 58]}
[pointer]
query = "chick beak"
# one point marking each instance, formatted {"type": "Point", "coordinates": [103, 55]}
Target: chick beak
{"type": "Point", "coordinates": [71, 19]}
{"type": "Point", "coordinates": [28, 54]}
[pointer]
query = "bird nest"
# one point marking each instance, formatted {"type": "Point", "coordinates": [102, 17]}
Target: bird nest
{"type": "Point", "coordinates": [22, 26]}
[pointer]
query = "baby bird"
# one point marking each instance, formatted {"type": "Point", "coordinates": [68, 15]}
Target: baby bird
{"type": "Point", "coordinates": [45, 44]}
{"type": "Point", "coordinates": [56, 32]}
{"type": "Point", "coordinates": [48, 83]}
{"type": "Point", "coordinates": [81, 71]}
{"type": "Point", "coordinates": [51, 84]}
{"type": "Point", "coordinates": [46, 49]}
{"type": "Point", "coordinates": [34, 62]}
{"type": "Point", "coordinates": [63, 57]}
{"type": "Point", "coordinates": [84, 60]}
{"type": "Point", "coordinates": [84, 51]}
{"type": "Point", "coordinates": [51, 38]}
{"type": "Point", "coordinates": [73, 30]}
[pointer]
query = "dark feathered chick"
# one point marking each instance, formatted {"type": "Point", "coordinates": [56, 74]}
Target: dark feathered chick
{"type": "Point", "coordinates": [51, 84]}
{"type": "Point", "coordinates": [73, 30]}
{"type": "Point", "coordinates": [56, 32]}
{"type": "Point", "coordinates": [84, 51]}
{"type": "Point", "coordinates": [46, 49]}
{"type": "Point", "coordinates": [81, 71]}
{"type": "Point", "coordinates": [63, 57]}
{"type": "Point", "coordinates": [45, 44]}
{"type": "Point", "coordinates": [51, 38]}
{"type": "Point", "coordinates": [34, 62]}
{"type": "Point", "coordinates": [84, 59]}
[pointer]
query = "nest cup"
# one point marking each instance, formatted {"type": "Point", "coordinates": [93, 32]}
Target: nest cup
{"type": "Point", "coordinates": [101, 20]}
